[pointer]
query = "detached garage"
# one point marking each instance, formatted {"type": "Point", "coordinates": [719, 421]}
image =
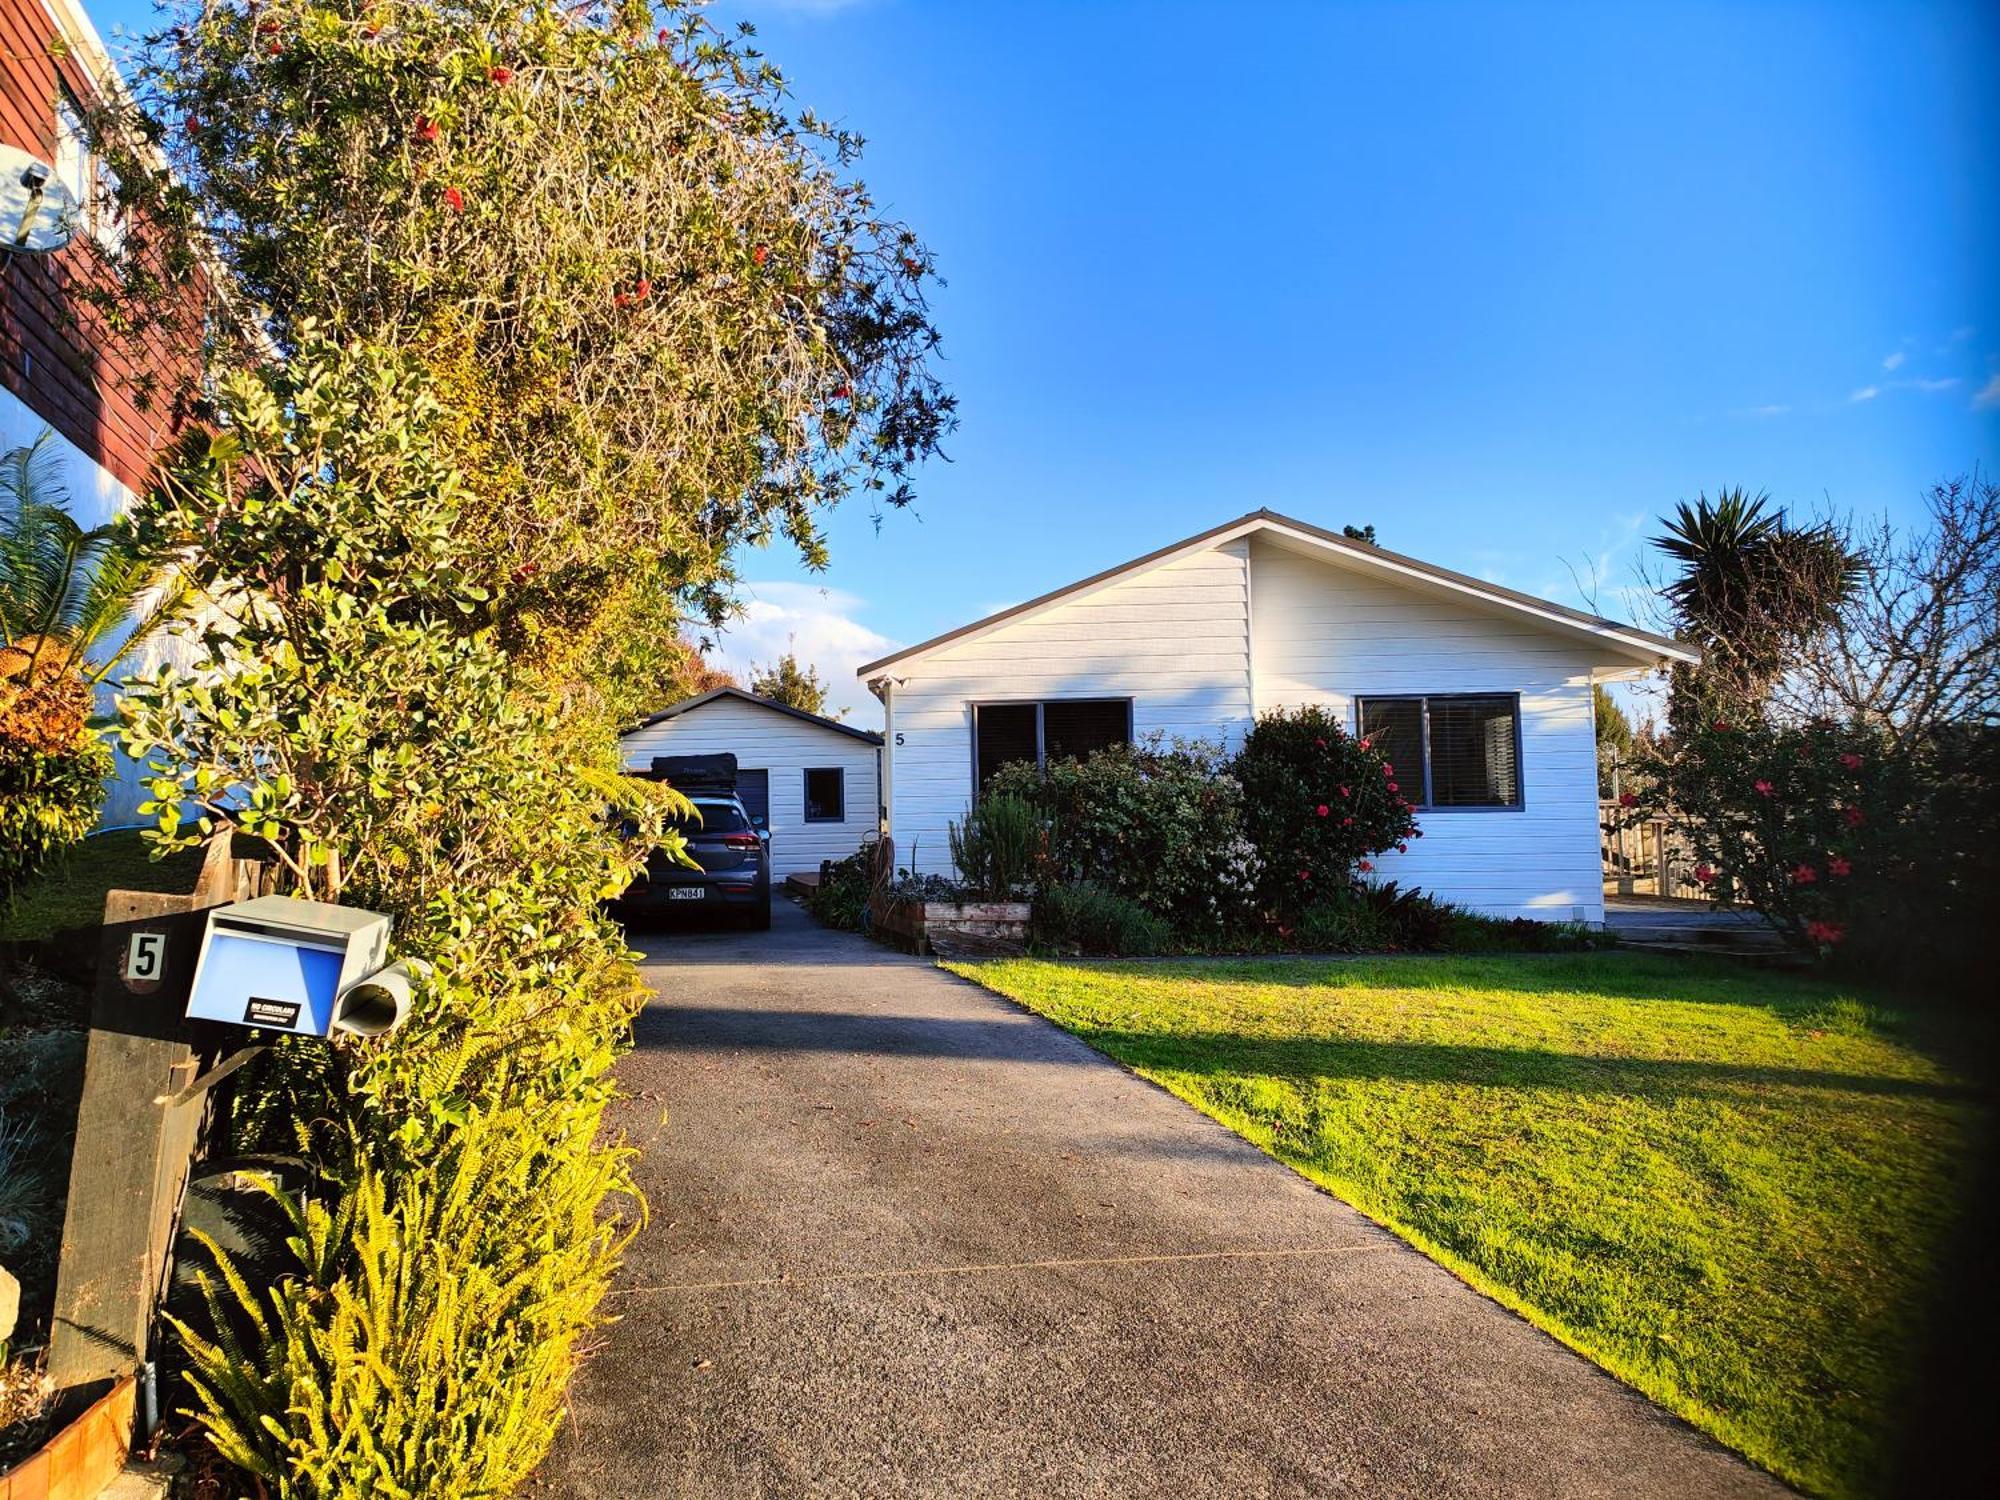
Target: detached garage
{"type": "Point", "coordinates": [815, 782]}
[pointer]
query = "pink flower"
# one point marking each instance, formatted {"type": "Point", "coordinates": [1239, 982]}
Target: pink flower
{"type": "Point", "coordinates": [1323, 809]}
{"type": "Point", "coordinates": [1765, 789]}
{"type": "Point", "coordinates": [1305, 874]}
{"type": "Point", "coordinates": [1347, 822]}
{"type": "Point", "coordinates": [1804, 875]}
{"type": "Point", "coordinates": [664, 36]}
{"type": "Point", "coordinates": [1343, 791]}
{"type": "Point", "coordinates": [1387, 769]}
{"type": "Point", "coordinates": [1705, 874]}
{"type": "Point", "coordinates": [1367, 744]}
{"type": "Point", "coordinates": [1837, 866]}
{"type": "Point", "coordinates": [454, 200]}
{"type": "Point", "coordinates": [1393, 787]}
{"type": "Point", "coordinates": [1365, 866]}
{"type": "Point", "coordinates": [1402, 848]}
{"type": "Point", "coordinates": [1628, 799]}
{"type": "Point", "coordinates": [1851, 761]}
{"type": "Point", "coordinates": [1855, 816]}
{"type": "Point", "coordinates": [1826, 934]}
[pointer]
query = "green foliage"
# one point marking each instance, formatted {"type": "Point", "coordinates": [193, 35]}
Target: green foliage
{"type": "Point", "coordinates": [841, 897]}
{"type": "Point", "coordinates": [994, 849]}
{"type": "Point", "coordinates": [1088, 919]}
{"type": "Point", "coordinates": [561, 308]}
{"type": "Point", "coordinates": [786, 681]}
{"type": "Point", "coordinates": [1614, 737]}
{"type": "Point", "coordinates": [1317, 803]}
{"type": "Point", "coordinates": [49, 799]}
{"type": "Point", "coordinates": [1848, 841]}
{"type": "Point", "coordinates": [1677, 1167]}
{"type": "Point", "coordinates": [1749, 590]}
{"type": "Point", "coordinates": [1159, 824]}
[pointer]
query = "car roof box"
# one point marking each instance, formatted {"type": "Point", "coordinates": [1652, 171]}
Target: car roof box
{"type": "Point", "coordinates": [697, 773]}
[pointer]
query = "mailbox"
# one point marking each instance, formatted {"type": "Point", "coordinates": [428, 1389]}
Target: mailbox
{"type": "Point", "coordinates": [305, 967]}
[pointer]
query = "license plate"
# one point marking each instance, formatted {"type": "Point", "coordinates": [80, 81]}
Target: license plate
{"type": "Point", "coordinates": [686, 892]}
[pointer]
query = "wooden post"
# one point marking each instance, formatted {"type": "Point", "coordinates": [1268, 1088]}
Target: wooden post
{"type": "Point", "coordinates": [134, 1140]}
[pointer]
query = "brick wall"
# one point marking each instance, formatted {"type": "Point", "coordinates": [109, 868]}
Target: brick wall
{"type": "Point", "coordinates": [86, 381]}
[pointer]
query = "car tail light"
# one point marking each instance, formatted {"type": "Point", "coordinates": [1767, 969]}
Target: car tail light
{"type": "Point", "coordinates": [739, 841]}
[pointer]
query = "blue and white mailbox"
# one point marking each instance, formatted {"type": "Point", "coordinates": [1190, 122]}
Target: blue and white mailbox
{"type": "Point", "coordinates": [305, 967]}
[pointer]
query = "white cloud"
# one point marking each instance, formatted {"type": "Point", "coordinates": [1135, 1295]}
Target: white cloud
{"type": "Point", "coordinates": [819, 626]}
{"type": "Point", "coordinates": [1989, 395]}
{"type": "Point", "coordinates": [1932, 387]}
{"type": "Point", "coordinates": [1775, 409]}
{"type": "Point", "coordinates": [1895, 360]}
{"type": "Point", "coordinates": [1866, 393]}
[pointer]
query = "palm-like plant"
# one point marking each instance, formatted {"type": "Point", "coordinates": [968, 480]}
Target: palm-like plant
{"type": "Point", "coordinates": [1751, 588]}
{"type": "Point", "coordinates": [65, 592]}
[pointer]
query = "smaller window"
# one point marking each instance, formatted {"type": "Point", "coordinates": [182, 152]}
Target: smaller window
{"type": "Point", "coordinates": [826, 794]}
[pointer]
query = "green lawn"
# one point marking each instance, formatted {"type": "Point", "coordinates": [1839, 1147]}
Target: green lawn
{"type": "Point", "coordinates": [71, 894]}
{"type": "Point", "coordinates": [1723, 1185]}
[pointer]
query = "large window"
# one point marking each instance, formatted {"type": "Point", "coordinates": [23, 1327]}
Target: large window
{"type": "Point", "coordinates": [1054, 729]}
{"type": "Point", "coordinates": [826, 794]}
{"type": "Point", "coordinates": [1461, 750]}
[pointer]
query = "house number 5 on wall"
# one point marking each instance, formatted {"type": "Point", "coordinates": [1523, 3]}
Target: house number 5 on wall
{"type": "Point", "coordinates": [145, 961]}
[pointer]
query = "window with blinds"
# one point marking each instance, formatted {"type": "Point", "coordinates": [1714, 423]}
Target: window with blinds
{"type": "Point", "coordinates": [1055, 729]}
{"type": "Point", "coordinates": [1456, 750]}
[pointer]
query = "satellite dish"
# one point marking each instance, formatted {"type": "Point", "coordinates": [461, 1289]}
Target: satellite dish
{"type": "Point", "coordinates": [37, 213]}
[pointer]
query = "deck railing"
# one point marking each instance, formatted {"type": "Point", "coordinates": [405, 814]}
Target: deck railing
{"type": "Point", "coordinates": [1645, 856]}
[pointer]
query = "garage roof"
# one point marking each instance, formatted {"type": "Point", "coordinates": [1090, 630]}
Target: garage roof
{"type": "Point", "coordinates": [687, 705]}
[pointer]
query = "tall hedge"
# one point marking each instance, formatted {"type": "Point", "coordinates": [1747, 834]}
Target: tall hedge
{"type": "Point", "coordinates": [533, 314]}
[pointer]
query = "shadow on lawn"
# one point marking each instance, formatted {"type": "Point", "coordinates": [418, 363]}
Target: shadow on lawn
{"type": "Point", "coordinates": [1019, 1037]}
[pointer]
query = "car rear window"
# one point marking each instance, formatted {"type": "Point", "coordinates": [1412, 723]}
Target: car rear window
{"type": "Point", "coordinates": [716, 817]}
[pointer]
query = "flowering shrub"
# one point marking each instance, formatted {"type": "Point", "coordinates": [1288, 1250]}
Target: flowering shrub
{"type": "Point", "coordinates": [1817, 827]}
{"type": "Point", "coordinates": [1160, 824]}
{"type": "Point", "coordinates": [52, 770]}
{"type": "Point", "coordinates": [1317, 804]}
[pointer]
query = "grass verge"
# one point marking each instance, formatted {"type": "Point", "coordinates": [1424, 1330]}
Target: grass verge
{"type": "Point", "coordinates": [1725, 1186]}
{"type": "Point", "coordinates": [71, 893]}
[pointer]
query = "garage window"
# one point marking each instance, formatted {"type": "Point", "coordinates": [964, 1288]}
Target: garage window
{"type": "Point", "coordinates": [826, 794]}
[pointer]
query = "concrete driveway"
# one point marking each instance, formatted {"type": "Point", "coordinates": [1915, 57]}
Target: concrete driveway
{"type": "Point", "coordinates": [908, 1239]}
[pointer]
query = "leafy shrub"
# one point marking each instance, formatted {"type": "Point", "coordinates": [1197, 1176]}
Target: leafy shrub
{"type": "Point", "coordinates": [1088, 919]}
{"type": "Point", "coordinates": [50, 788]}
{"type": "Point", "coordinates": [1339, 924]}
{"type": "Point", "coordinates": [1158, 823]}
{"type": "Point", "coordinates": [841, 897]}
{"type": "Point", "coordinates": [1471, 932]}
{"type": "Point", "coordinates": [1317, 804]}
{"type": "Point", "coordinates": [994, 848]}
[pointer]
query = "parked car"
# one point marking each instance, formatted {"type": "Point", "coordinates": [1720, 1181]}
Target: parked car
{"type": "Point", "coordinates": [733, 868]}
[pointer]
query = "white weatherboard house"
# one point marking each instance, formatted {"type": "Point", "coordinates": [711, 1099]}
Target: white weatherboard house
{"type": "Point", "coordinates": [815, 780]}
{"type": "Point", "coordinates": [1480, 695]}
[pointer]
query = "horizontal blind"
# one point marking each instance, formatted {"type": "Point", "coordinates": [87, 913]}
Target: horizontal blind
{"type": "Point", "coordinates": [1395, 727]}
{"type": "Point", "coordinates": [1474, 760]}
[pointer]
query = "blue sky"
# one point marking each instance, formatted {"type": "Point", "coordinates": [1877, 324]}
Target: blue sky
{"type": "Point", "coordinates": [1505, 281]}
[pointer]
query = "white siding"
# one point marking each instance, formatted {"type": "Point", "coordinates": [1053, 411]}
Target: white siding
{"type": "Point", "coordinates": [764, 739]}
{"type": "Point", "coordinates": [1327, 635]}
{"type": "Point", "coordinates": [1175, 640]}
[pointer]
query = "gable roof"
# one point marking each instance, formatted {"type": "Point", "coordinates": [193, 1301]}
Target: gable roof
{"type": "Point", "coordinates": [1628, 640]}
{"type": "Point", "coordinates": [701, 700]}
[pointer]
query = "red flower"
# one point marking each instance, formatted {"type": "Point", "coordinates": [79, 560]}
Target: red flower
{"type": "Point", "coordinates": [914, 266]}
{"type": "Point", "coordinates": [501, 76]}
{"type": "Point", "coordinates": [1826, 934]}
{"type": "Point", "coordinates": [454, 200]}
{"type": "Point", "coordinates": [424, 128]}
{"type": "Point", "coordinates": [1628, 799]}
{"type": "Point", "coordinates": [1393, 787]}
{"type": "Point", "coordinates": [1364, 866]}
{"type": "Point", "coordinates": [1366, 744]}
{"type": "Point", "coordinates": [1387, 769]}
{"type": "Point", "coordinates": [842, 392]}
{"type": "Point", "coordinates": [267, 27]}
{"type": "Point", "coordinates": [1402, 848]}
{"type": "Point", "coordinates": [1855, 816]}
{"type": "Point", "coordinates": [1705, 874]}
{"type": "Point", "coordinates": [1835, 865]}
{"type": "Point", "coordinates": [761, 254]}
{"type": "Point", "coordinates": [663, 37]}
{"type": "Point", "coordinates": [621, 299]}
{"type": "Point", "coordinates": [1320, 743]}
{"type": "Point", "coordinates": [1722, 726]}
{"type": "Point", "coordinates": [1347, 822]}
{"type": "Point", "coordinates": [1851, 761]}
{"type": "Point", "coordinates": [191, 125]}
{"type": "Point", "coordinates": [1305, 874]}
{"type": "Point", "coordinates": [276, 49]}
{"type": "Point", "coordinates": [1804, 875]}
{"type": "Point", "coordinates": [1323, 809]}
{"type": "Point", "coordinates": [1343, 791]}
{"type": "Point", "coordinates": [1765, 789]}
{"type": "Point", "coordinates": [643, 290]}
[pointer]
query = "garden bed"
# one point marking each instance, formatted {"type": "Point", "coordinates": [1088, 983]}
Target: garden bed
{"type": "Point", "coordinates": [982, 926]}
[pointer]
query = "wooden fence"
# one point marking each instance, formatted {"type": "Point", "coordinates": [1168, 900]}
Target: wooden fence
{"type": "Point", "coordinates": [1645, 856]}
